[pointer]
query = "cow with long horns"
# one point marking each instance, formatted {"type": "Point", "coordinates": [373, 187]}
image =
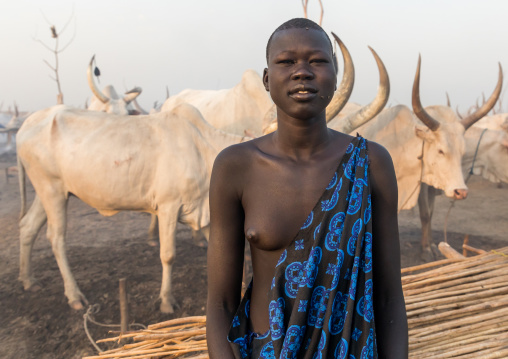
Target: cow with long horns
{"type": "Point", "coordinates": [429, 154]}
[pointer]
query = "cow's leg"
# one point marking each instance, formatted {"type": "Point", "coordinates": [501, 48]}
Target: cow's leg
{"type": "Point", "coordinates": [425, 219]}
{"type": "Point", "coordinates": [433, 192]}
{"type": "Point", "coordinates": [167, 236]}
{"type": "Point", "coordinates": [29, 227]}
{"type": "Point", "coordinates": [200, 237]}
{"type": "Point", "coordinates": [153, 231]}
{"type": "Point", "coordinates": [55, 204]}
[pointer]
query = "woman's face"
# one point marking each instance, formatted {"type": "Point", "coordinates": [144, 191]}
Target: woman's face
{"type": "Point", "coordinates": [301, 76]}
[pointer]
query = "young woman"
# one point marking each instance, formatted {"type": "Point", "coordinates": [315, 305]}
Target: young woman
{"type": "Point", "coordinates": [319, 209]}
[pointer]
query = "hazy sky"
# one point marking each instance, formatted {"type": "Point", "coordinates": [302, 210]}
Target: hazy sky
{"type": "Point", "coordinates": [204, 44]}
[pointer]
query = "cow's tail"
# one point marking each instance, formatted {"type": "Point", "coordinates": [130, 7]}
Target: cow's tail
{"type": "Point", "coordinates": [22, 187]}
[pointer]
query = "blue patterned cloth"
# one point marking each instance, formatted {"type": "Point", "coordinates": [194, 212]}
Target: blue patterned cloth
{"type": "Point", "coordinates": [321, 296]}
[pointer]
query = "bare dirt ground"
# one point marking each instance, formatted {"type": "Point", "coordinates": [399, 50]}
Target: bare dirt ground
{"type": "Point", "coordinates": [102, 250]}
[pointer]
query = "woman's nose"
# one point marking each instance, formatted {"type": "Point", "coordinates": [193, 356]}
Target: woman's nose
{"type": "Point", "coordinates": [302, 72]}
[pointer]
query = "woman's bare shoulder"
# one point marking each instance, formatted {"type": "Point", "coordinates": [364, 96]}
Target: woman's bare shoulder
{"type": "Point", "coordinates": [378, 155]}
{"type": "Point", "coordinates": [238, 156]}
{"type": "Point", "coordinates": [382, 171]}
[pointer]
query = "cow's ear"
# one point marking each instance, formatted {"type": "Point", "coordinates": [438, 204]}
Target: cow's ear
{"type": "Point", "coordinates": [424, 133]}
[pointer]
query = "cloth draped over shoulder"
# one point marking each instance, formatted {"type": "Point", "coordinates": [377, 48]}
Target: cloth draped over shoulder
{"type": "Point", "coordinates": [321, 297]}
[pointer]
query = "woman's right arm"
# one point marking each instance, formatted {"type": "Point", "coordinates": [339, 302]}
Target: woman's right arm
{"type": "Point", "coordinates": [225, 250]}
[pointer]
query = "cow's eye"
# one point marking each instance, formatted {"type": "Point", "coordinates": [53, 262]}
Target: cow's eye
{"type": "Point", "coordinates": [441, 152]}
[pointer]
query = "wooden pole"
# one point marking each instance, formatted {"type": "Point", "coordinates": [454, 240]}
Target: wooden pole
{"type": "Point", "coordinates": [466, 242]}
{"type": "Point", "coordinates": [124, 310]}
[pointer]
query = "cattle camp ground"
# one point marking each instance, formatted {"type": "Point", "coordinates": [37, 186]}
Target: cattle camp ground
{"type": "Point", "coordinates": [102, 250]}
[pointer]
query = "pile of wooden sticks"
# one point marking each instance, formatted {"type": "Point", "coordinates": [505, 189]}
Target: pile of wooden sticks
{"type": "Point", "coordinates": [177, 338]}
{"type": "Point", "coordinates": [459, 309]}
{"type": "Point", "coordinates": [456, 308]}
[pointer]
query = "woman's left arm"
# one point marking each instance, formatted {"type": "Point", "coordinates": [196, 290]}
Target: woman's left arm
{"type": "Point", "coordinates": [389, 306]}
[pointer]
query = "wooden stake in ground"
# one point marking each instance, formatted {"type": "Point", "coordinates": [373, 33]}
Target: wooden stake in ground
{"type": "Point", "coordinates": [124, 307]}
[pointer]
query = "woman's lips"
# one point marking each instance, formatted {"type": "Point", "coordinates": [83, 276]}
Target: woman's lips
{"type": "Point", "coordinates": [303, 95]}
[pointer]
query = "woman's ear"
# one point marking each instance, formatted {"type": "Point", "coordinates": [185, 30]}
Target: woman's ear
{"type": "Point", "coordinates": [265, 79]}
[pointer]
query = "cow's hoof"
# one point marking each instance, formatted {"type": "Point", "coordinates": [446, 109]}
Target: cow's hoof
{"type": "Point", "coordinates": [153, 242]}
{"type": "Point", "coordinates": [169, 305]}
{"type": "Point", "coordinates": [435, 250]}
{"type": "Point", "coordinates": [76, 305]}
{"type": "Point", "coordinates": [31, 285]}
{"type": "Point", "coordinates": [201, 243]}
{"type": "Point", "coordinates": [427, 255]}
{"type": "Point", "coordinates": [79, 303]}
{"type": "Point", "coordinates": [167, 308]}
{"type": "Point", "coordinates": [35, 288]}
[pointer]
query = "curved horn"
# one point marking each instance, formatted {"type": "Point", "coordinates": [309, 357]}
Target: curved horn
{"type": "Point", "coordinates": [95, 90]}
{"type": "Point", "coordinates": [139, 109]}
{"type": "Point", "coordinates": [342, 94]}
{"type": "Point", "coordinates": [366, 113]}
{"type": "Point", "coordinates": [487, 106]}
{"type": "Point", "coordinates": [132, 94]}
{"type": "Point", "coordinates": [448, 103]}
{"type": "Point", "coordinates": [458, 113]}
{"type": "Point", "coordinates": [417, 105]}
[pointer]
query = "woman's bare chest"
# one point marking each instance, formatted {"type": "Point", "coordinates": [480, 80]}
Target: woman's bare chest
{"type": "Point", "coordinates": [277, 201]}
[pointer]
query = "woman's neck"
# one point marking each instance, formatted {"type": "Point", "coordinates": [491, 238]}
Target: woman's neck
{"type": "Point", "coordinates": [301, 140]}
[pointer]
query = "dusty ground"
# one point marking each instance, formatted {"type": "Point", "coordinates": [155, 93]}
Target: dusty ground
{"type": "Point", "coordinates": [102, 250]}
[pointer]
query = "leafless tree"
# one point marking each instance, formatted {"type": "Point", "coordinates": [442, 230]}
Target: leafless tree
{"type": "Point", "coordinates": [305, 4]}
{"type": "Point", "coordinates": [57, 50]}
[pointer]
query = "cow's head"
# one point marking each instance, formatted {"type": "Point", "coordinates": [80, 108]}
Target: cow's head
{"type": "Point", "coordinates": [444, 143]}
{"type": "Point", "coordinates": [108, 100]}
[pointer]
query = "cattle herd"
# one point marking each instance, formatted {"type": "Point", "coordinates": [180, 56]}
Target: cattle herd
{"type": "Point", "coordinates": [160, 162]}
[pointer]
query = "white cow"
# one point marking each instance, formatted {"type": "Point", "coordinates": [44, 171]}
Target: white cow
{"type": "Point", "coordinates": [108, 99]}
{"type": "Point", "coordinates": [429, 154]}
{"type": "Point", "coordinates": [486, 155]}
{"type": "Point", "coordinates": [232, 110]}
{"type": "Point", "coordinates": [494, 122]}
{"type": "Point", "coordinates": [158, 164]}
{"type": "Point", "coordinates": [488, 149]}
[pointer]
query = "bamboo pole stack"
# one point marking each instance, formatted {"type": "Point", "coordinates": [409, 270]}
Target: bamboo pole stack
{"type": "Point", "coordinates": [456, 308]}
{"type": "Point", "coordinates": [460, 309]}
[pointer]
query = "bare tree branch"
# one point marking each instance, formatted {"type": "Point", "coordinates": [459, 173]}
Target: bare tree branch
{"type": "Point", "coordinates": [43, 44]}
{"type": "Point", "coordinates": [67, 45]}
{"type": "Point", "coordinates": [45, 18]}
{"type": "Point", "coordinates": [49, 65]}
{"type": "Point", "coordinates": [322, 12]}
{"type": "Point", "coordinates": [56, 50]}
{"type": "Point", "coordinates": [305, 3]}
{"type": "Point", "coordinates": [69, 21]}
